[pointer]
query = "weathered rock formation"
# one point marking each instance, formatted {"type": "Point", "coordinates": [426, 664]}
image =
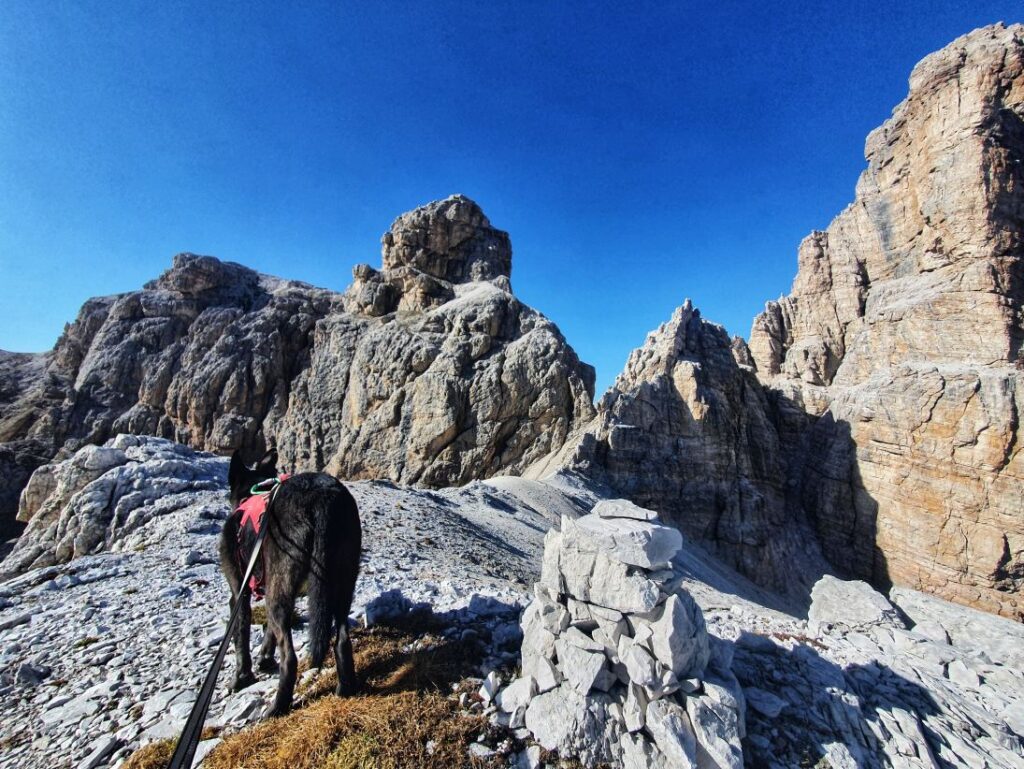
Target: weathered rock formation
{"type": "Point", "coordinates": [903, 334]}
{"type": "Point", "coordinates": [29, 397]}
{"type": "Point", "coordinates": [617, 663]}
{"type": "Point", "coordinates": [93, 500]}
{"type": "Point", "coordinates": [877, 405]}
{"type": "Point", "coordinates": [688, 431]}
{"type": "Point", "coordinates": [428, 371]}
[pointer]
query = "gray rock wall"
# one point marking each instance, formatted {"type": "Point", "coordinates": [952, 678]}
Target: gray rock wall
{"type": "Point", "coordinates": [688, 431]}
{"type": "Point", "coordinates": [903, 330]}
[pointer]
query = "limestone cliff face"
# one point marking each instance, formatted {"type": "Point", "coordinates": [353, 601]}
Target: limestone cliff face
{"type": "Point", "coordinates": [436, 374]}
{"type": "Point", "coordinates": [429, 371]}
{"type": "Point", "coordinates": [903, 332]}
{"type": "Point", "coordinates": [687, 430]}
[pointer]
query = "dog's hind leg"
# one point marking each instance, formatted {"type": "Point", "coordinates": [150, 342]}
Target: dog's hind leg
{"type": "Point", "coordinates": [346, 666]}
{"type": "Point", "coordinates": [265, 659]}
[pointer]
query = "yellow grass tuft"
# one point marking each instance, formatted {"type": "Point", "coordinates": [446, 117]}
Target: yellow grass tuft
{"type": "Point", "coordinates": [156, 755]}
{"type": "Point", "coordinates": [366, 732]}
{"type": "Point", "coordinates": [405, 715]}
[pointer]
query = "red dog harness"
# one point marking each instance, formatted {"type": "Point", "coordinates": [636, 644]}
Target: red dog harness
{"type": "Point", "coordinates": [252, 510]}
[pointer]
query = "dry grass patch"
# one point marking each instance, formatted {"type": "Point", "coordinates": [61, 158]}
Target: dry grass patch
{"type": "Point", "coordinates": [405, 716]}
{"type": "Point", "coordinates": [377, 731]}
{"type": "Point", "coordinates": [156, 755]}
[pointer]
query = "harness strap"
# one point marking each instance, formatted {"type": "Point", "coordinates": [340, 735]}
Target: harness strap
{"type": "Point", "coordinates": [190, 734]}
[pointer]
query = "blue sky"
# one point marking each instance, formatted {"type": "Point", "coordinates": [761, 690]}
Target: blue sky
{"type": "Point", "coordinates": [638, 154]}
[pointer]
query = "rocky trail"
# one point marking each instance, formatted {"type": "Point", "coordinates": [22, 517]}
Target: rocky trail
{"type": "Point", "coordinates": [105, 652]}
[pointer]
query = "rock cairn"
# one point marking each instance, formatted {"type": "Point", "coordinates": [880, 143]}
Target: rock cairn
{"type": "Point", "coordinates": [617, 665]}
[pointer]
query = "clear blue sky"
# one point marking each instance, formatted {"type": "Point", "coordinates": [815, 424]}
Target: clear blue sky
{"type": "Point", "coordinates": [638, 154]}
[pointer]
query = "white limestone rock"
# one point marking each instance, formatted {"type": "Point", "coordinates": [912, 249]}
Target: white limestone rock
{"type": "Point", "coordinates": [640, 665]}
{"type": "Point", "coordinates": [580, 666]}
{"type": "Point", "coordinates": [99, 496]}
{"type": "Point", "coordinates": [544, 672]}
{"type": "Point", "coordinates": [639, 753]}
{"type": "Point", "coordinates": [679, 637]}
{"type": "Point", "coordinates": [853, 604]}
{"type": "Point", "coordinates": [517, 694]}
{"type": "Point", "coordinates": [716, 723]}
{"type": "Point", "coordinates": [634, 542]}
{"type": "Point", "coordinates": [591, 575]}
{"type": "Point", "coordinates": [489, 688]}
{"type": "Point", "coordinates": [623, 508]}
{"type": "Point", "coordinates": [550, 577]}
{"type": "Point", "coordinates": [670, 727]}
{"type": "Point", "coordinates": [635, 708]}
{"type": "Point", "coordinates": [574, 725]}
{"type": "Point", "coordinates": [966, 628]}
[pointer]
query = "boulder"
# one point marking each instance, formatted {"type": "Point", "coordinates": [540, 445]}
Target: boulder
{"type": "Point", "coordinates": [634, 542]}
{"type": "Point", "coordinates": [679, 639]}
{"type": "Point", "coordinates": [673, 733]}
{"type": "Point", "coordinates": [623, 508]}
{"type": "Point", "coordinates": [853, 604]}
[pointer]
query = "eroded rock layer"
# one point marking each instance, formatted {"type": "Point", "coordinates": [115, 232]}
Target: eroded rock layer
{"type": "Point", "coordinates": [903, 333]}
{"type": "Point", "coordinates": [428, 371]}
{"type": "Point", "coordinates": [690, 432]}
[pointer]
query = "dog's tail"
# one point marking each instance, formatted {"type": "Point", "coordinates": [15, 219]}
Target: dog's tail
{"type": "Point", "coordinates": [322, 586]}
{"type": "Point", "coordinates": [335, 563]}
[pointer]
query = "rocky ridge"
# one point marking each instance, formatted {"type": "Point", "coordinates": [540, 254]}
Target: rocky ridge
{"type": "Point", "coordinates": [902, 336]}
{"type": "Point", "coordinates": [688, 430]}
{"type": "Point", "coordinates": [426, 372]}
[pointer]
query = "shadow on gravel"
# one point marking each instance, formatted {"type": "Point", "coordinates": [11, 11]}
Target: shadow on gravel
{"type": "Point", "coordinates": [829, 711]}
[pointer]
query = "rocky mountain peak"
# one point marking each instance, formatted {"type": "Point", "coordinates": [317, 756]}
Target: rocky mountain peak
{"type": "Point", "coordinates": [195, 275]}
{"type": "Point", "coordinates": [428, 371]}
{"type": "Point", "coordinates": [451, 240]}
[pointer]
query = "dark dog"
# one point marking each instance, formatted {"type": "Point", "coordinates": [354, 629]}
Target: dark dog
{"type": "Point", "coordinates": [313, 533]}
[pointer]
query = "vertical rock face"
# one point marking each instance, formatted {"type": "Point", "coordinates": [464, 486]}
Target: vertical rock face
{"type": "Point", "coordinates": [436, 374]}
{"type": "Point", "coordinates": [688, 431]}
{"type": "Point", "coordinates": [429, 371]}
{"type": "Point", "coordinates": [30, 399]}
{"type": "Point", "coordinates": [903, 331]}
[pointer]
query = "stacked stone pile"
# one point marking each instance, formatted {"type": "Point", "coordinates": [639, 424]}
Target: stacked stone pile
{"type": "Point", "coordinates": [617, 665]}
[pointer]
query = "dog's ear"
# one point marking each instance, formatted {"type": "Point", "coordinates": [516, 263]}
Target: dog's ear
{"type": "Point", "coordinates": [268, 465]}
{"type": "Point", "coordinates": [236, 469]}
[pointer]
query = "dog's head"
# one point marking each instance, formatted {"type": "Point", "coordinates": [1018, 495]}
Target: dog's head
{"type": "Point", "coordinates": [242, 477]}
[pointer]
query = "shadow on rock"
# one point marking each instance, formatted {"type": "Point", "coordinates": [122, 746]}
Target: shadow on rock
{"type": "Point", "coordinates": [803, 707]}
